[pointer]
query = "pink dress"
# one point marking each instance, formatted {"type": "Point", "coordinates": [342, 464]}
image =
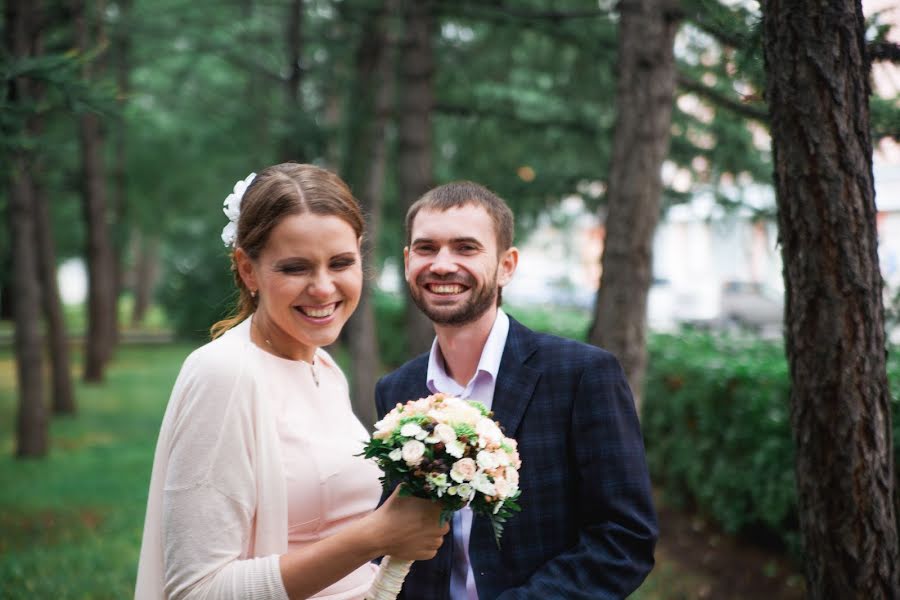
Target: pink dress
{"type": "Point", "coordinates": [328, 486]}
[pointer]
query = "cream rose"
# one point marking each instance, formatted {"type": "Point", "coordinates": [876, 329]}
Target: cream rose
{"type": "Point", "coordinates": [444, 433]}
{"type": "Point", "coordinates": [463, 470]}
{"type": "Point", "coordinates": [413, 451]}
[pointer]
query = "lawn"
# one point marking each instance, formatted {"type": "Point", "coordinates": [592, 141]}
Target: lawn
{"type": "Point", "coordinates": [70, 525]}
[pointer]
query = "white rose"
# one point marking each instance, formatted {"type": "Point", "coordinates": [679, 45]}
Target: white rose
{"type": "Point", "coordinates": [463, 470]}
{"type": "Point", "coordinates": [444, 433]}
{"type": "Point", "coordinates": [396, 454]}
{"type": "Point", "coordinates": [502, 458]}
{"type": "Point", "coordinates": [512, 476]}
{"type": "Point", "coordinates": [412, 430]}
{"type": "Point", "coordinates": [488, 432]}
{"type": "Point", "coordinates": [413, 451]}
{"type": "Point", "coordinates": [487, 460]}
{"type": "Point", "coordinates": [455, 449]}
{"type": "Point", "coordinates": [484, 485]}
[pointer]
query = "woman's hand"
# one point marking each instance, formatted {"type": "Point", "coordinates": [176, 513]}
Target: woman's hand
{"type": "Point", "coordinates": [409, 528]}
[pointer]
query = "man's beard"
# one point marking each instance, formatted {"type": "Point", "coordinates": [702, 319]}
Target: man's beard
{"type": "Point", "coordinates": [481, 300]}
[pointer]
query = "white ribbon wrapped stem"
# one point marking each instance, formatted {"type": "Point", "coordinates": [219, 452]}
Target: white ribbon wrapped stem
{"type": "Point", "coordinates": [389, 579]}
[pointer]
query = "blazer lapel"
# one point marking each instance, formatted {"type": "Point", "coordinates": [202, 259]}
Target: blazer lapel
{"type": "Point", "coordinates": [515, 381]}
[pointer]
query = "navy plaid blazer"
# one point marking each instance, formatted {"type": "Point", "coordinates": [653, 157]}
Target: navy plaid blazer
{"type": "Point", "coordinates": [587, 527]}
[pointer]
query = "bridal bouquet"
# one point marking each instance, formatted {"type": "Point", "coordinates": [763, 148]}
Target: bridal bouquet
{"type": "Point", "coordinates": [448, 450]}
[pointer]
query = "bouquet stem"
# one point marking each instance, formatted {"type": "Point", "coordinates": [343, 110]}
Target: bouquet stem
{"type": "Point", "coordinates": [389, 579]}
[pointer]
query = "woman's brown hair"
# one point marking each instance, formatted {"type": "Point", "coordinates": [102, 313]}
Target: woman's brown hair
{"type": "Point", "coordinates": [278, 192]}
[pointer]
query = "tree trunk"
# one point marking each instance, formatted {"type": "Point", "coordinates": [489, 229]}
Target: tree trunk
{"type": "Point", "coordinates": [366, 152]}
{"type": "Point", "coordinates": [644, 96]}
{"type": "Point", "coordinates": [63, 395]}
{"type": "Point", "coordinates": [294, 105]}
{"type": "Point", "coordinates": [414, 137]}
{"type": "Point", "coordinates": [31, 422]}
{"type": "Point", "coordinates": [146, 271]}
{"type": "Point", "coordinates": [818, 94]}
{"type": "Point", "coordinates": [63, 398]}
{"type": "Point", "coordinates": [101, 266]}
{"type": "Point", "coordinates": [121, 227]}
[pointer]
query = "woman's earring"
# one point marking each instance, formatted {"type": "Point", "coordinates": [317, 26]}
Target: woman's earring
{"type": "Point", "coordinates": [253, 294]}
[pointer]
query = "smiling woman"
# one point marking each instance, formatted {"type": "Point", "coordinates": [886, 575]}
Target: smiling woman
{"type": "Point", "coordinates": [258, 487]}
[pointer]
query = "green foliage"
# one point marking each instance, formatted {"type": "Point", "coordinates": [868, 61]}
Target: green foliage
{"type": "Point", "coordinates": [70, 527]}
{"type": "Point", "coordinates": [716, 423]}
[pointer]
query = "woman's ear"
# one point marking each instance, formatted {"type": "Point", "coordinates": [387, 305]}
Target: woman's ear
{"type": "Point", "coordinates": [246, 269]}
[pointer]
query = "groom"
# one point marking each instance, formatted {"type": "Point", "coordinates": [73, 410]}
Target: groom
{"type": "Point", "coordinates": [587, 527]}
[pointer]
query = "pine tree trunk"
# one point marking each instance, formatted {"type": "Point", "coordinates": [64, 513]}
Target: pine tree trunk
{"type": "Point", "coordinates": [644, 96]}
{"type": "Point", "coordinates": [101, 266]}
{"type": "Point", "coordinates": [31, 421]}
{"type": "Point", "coordinates": [818, 96]}
{"type": "Point", "coordinates": [120, 222]}
{"type": "Point", "coordinates": [63, 397]}
{"type": "Point", "coordinates": [146, 271]}
{"type": "Point", "coordinates": [366, 152]}
{"type": "Point", "coordinates": [414, 137]}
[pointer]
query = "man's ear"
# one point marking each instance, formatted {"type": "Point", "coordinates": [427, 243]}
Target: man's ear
{"type": "Point", "coordinates": [246, 269]}
{"type": "Point", "coordinates": [406, 263]}
{"type": "Point", "coordinates": [507, 267]}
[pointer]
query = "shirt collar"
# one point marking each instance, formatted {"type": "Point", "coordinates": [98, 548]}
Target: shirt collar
{"type": "Point", "coordinates": [437, 378]}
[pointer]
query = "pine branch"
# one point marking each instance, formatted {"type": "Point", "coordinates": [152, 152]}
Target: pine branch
{"type": "Point", "coordinates": [884, 51]}
{"type": "Point", "coordinates": [756, 110]}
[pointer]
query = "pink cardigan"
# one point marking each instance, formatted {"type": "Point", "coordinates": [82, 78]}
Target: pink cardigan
{"type": "Point", "coordinates": [217, 510]}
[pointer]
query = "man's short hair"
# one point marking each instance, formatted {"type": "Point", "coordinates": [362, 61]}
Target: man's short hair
{"type": "Point", "coordinates": [460, 193]}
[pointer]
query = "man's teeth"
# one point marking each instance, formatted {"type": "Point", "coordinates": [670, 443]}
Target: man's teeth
{"type": "Point", "coordinates": [318, 313]}
{"type": "Point", "coordinates": [447, 289]}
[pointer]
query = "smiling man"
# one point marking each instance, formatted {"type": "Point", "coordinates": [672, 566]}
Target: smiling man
{"type": "Point", "coordinates": [587, 527]}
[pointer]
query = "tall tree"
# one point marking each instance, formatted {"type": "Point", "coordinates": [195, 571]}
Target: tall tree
{"type": "Point", "coordinates": [31, 426]}
{"type": "Point", "coordinates": [414, 134]}
{"type": "Point", "coordinates": [366, 150]}
{"type": "Point", "coordinates": [121, 227]}
{"type": "Point", "coordinates": [818, 94]}
{"type": "Point", "coordinates": [644, 97]}
{"type": "Point", "coordinates": [63, 395]}
{"type": "Point", "coordinates": [101, 265]}
{"type": "Point", "coordinates": [294, 45]}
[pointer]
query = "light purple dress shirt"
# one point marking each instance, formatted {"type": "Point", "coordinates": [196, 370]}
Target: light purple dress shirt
{"type": "Point", "coordinates": [480, 388]}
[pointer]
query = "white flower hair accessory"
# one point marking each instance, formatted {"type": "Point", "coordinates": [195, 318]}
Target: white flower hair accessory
{"type": "Point", "coordinates": [232, 209]}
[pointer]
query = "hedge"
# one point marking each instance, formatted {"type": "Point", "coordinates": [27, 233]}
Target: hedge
{"type": "Point", "coordinates": [716, 423]}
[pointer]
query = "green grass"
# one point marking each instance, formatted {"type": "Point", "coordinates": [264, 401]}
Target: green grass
{"type": "Point", "coordinates": [70, 525]}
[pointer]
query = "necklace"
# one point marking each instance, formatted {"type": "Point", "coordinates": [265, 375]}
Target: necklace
{"type": "Point", "coordinates": [313, 367]}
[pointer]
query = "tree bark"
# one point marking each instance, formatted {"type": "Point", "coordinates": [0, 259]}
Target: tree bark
{"type": "Point", "coordinates": [644, 97]}
{"type": "Point", "coordinates": [146, 272]}
{"type": "Point", "coordinates": [31, 421]}
{"type": "Point", "coordinates": [63, 396]}
{"type": "Point", "coordinates": [818, 93]}
{"type": "Point", "coordinates": [294, 41]}
{"type": "Point", "coordinates": [101, 266]}
{"type": "Point", "coordinates": [414, 136]}
{"type": "Point", "coordinates": [366, 151]}
{"type": "Point", "coordinates": [121, 226]}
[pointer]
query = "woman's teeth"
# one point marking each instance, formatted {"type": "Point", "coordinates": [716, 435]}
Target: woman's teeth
{"type": "Point", "coordinates": [318, 313]}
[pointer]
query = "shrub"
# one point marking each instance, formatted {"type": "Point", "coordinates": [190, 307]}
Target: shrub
{"type": "Point", "coordinates": [716, 422]}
